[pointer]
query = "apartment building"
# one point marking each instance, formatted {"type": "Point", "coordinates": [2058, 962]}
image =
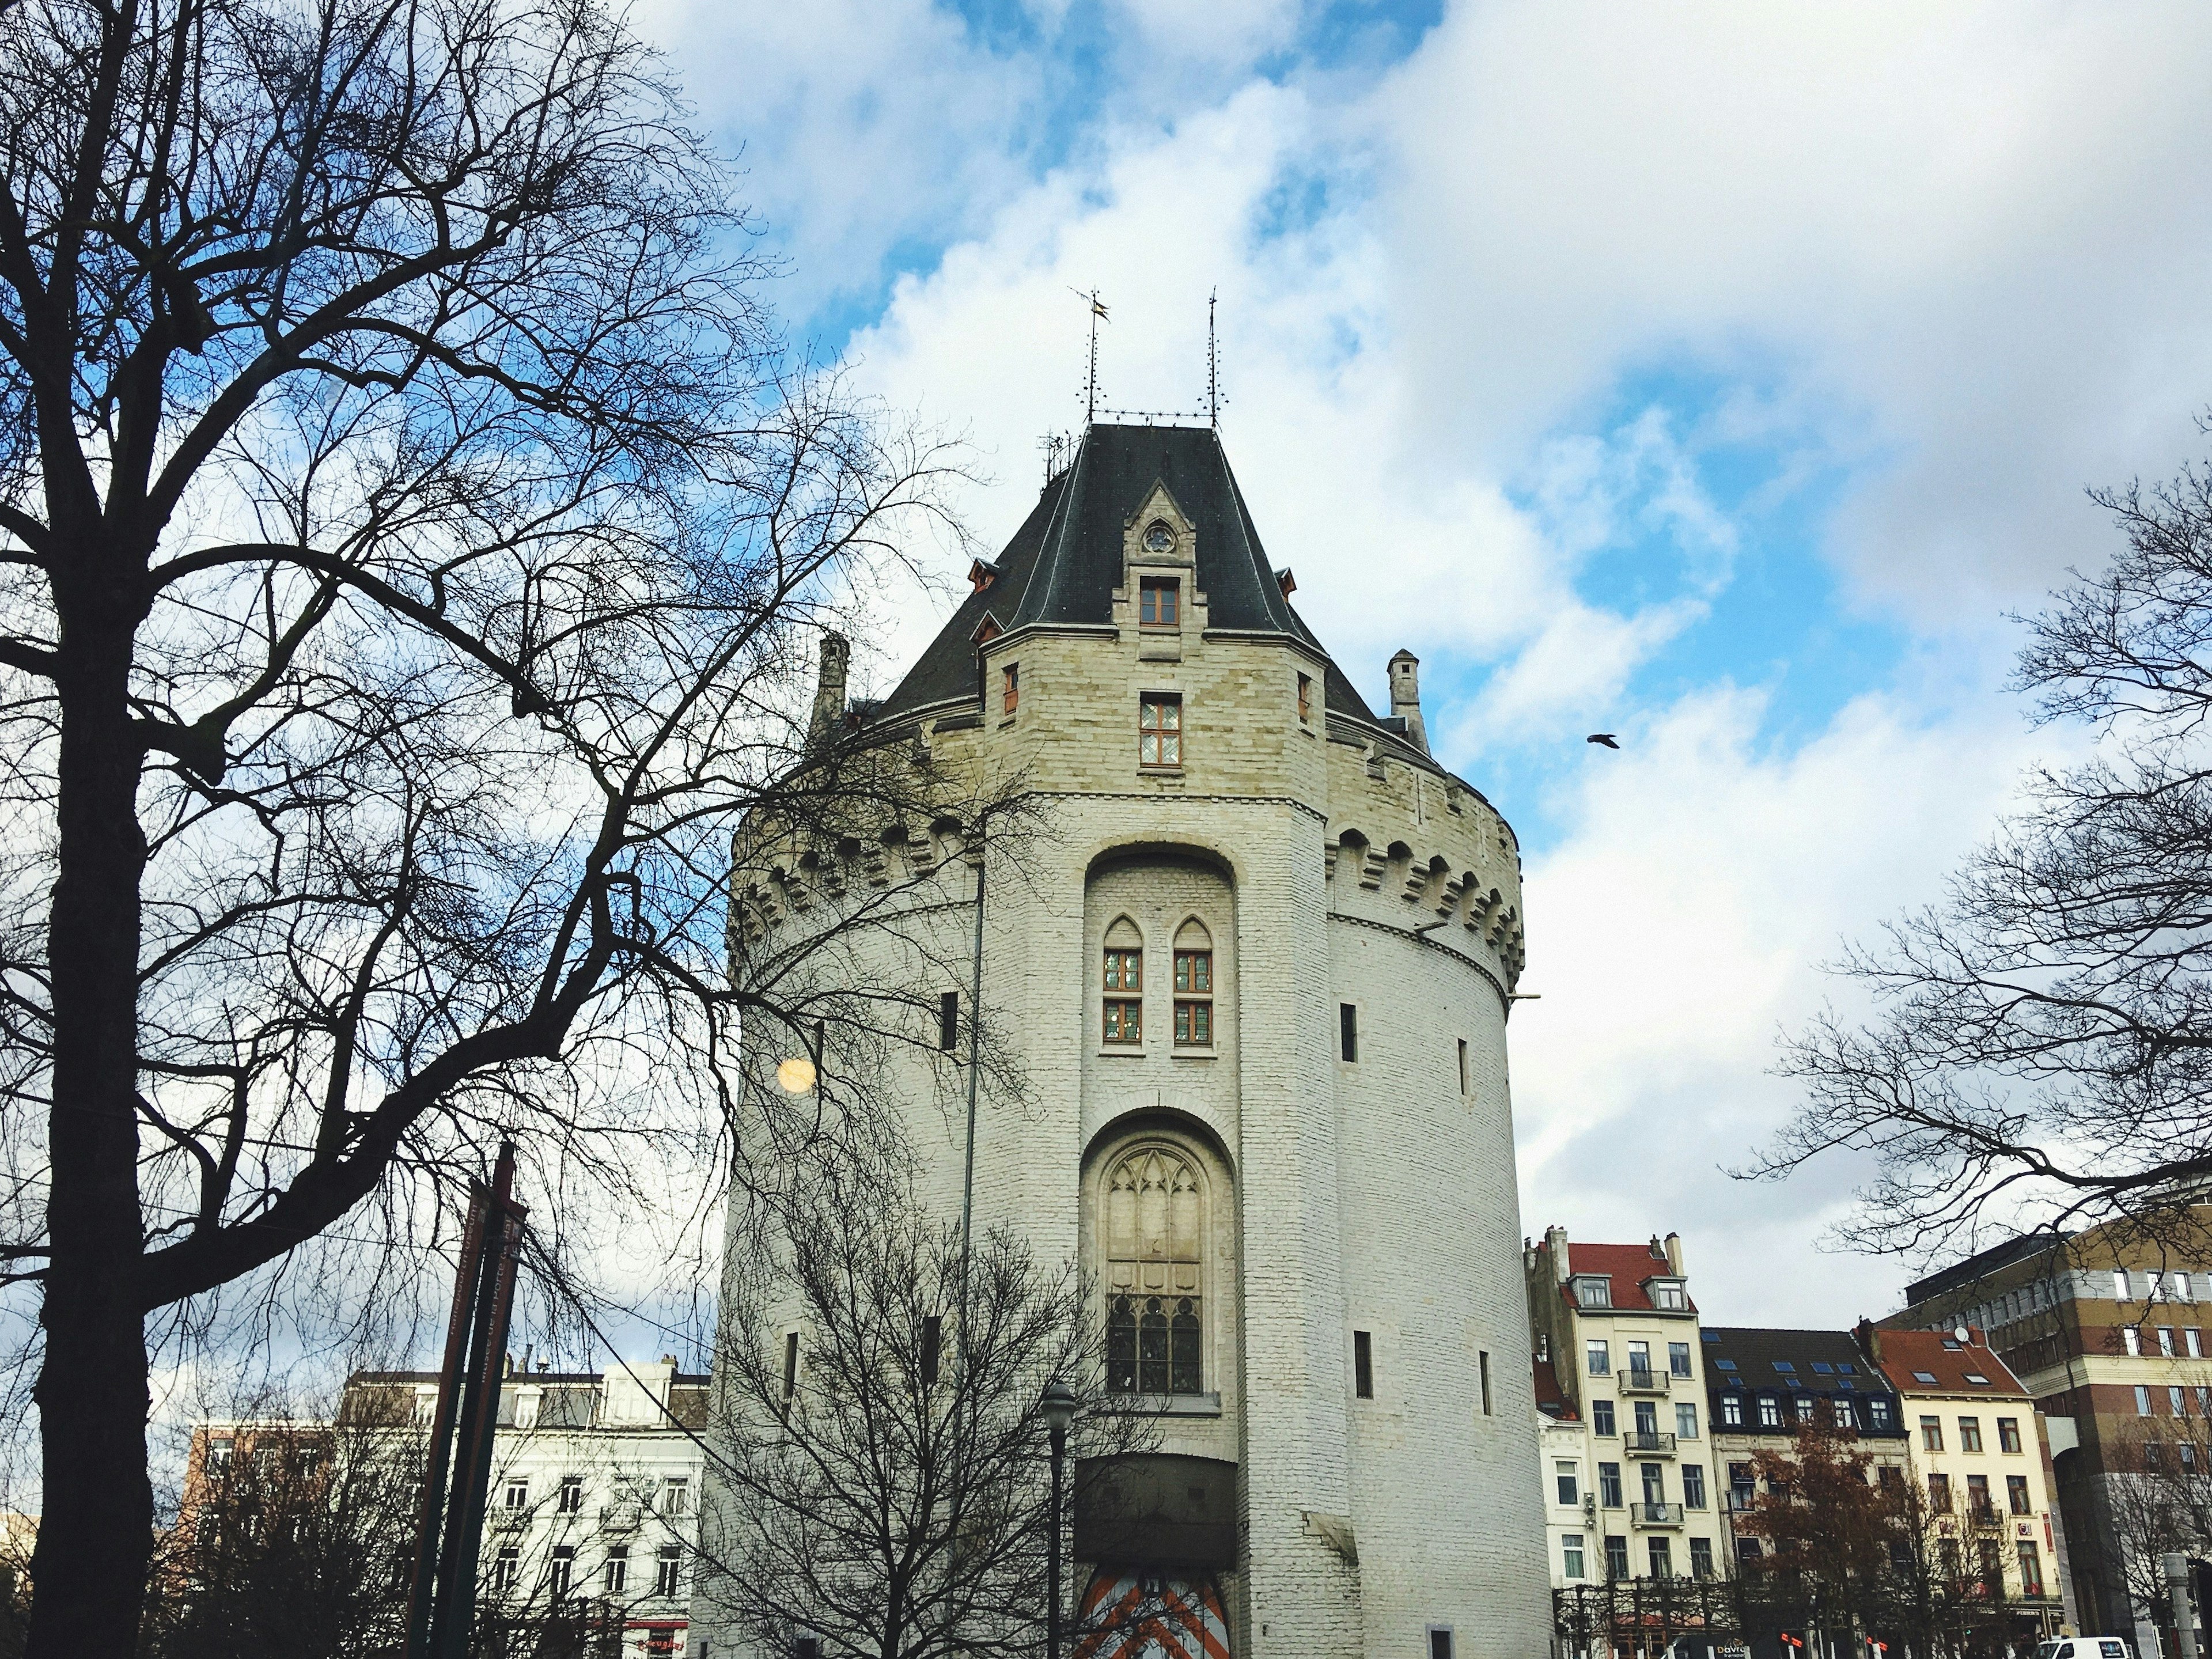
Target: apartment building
{"type": "Point", "coordinates": [1974, 1445]}
{"type": "Point", "coordinates": [1761, 1384]}
{"type": "Point", "coordinates": [594, 1498]}
{"type": "Point", "coordinates": [1620, 1387]}
{"type": "Point", "coordinates": [2107, 1329]}
{"type": "Point", "coordinates": [591, 1517]}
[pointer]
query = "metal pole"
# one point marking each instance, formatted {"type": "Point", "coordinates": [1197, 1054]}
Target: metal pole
{"type": "Point", "coordinates": [453, 1614]}
{"type": "Point", "coordinates": [974, 1071]}
{"type": "Point", "coordinates": [1052, 1552]}
{"type": "Point", "coordinates": [2177, 1585]}
{"type": "Point", "coordinates": [421, 1592]}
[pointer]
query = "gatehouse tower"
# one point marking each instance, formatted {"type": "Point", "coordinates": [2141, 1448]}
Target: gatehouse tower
{"type": "Point", "coordinates": [1256, 971]}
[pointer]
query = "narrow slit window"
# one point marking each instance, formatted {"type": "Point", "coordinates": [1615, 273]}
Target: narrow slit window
{"type": "Point", "coordinates": [1010, 682]}
{"type": "Point", "coordinates": [1347, 1030]}
{"type": "Point", "coordinates": [933, 1342]}
{"type": "Point", "coordinates": [1160, 602]}
{"type": "Point", "coordinates": [1159, 731]}
{"type": "Point", "coordinates": [790, 1366]}
{"type": "Point", "coordinates": [948, 1020]}
{"type": "Point", "coordinates": [1362, 1365]}
{"type": "Point", "coordinates": [1305, 699]}
{"type": "Point", "coordinates": [1483, 1359]}
{"type": "Point", "coordinates": [1463, 1066]}
{"type": "Point", "coordinates": [1440, 1642]}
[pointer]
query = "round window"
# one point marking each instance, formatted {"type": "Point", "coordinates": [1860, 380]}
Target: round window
{"type": "Point", "coordinates": [1158, 538]}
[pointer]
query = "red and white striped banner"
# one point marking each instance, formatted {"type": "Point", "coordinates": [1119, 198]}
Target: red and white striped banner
{"type": "Point", "coordinates": [1132, 1615]}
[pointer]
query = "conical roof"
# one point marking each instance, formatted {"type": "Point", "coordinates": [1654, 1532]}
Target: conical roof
{"type": "Point", "coordinates": [1064, 563]}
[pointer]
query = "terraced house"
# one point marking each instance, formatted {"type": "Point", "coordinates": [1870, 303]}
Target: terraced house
{"type": "Point", "coordinates": [1761, 1384]}
{"type": "Point", "coordinates": [1620, 1382]}
{"type": "Point", "coordinates": [1976, 1446]}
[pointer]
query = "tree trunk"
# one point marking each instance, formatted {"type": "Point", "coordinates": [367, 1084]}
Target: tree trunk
{"type": "Point", "coordinates": [95, 1536]}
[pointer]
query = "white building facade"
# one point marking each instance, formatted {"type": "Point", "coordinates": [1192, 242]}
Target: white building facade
{"type": "Point", "coordinates": [592, 1511]}
{"type": "Point", "coordinates": [1629, 1476]}
{"type": "Point", "coordinates": [1256, 970]}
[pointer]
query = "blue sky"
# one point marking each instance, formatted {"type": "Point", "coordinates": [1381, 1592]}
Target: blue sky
{"type": "Point", "coordinates": [1717, 376]}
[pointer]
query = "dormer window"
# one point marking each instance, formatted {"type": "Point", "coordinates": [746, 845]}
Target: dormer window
{"type": "Point", "coordinates": [1668, 1294]}
{"type": "Point", "coordinates": [1593, 1291]}
{"type": "Point", "coordinates": [1160, 602]}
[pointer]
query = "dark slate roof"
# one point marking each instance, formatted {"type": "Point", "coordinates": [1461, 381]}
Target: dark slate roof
{"type": "Point", "coordinates": [1065, 562]}
{"type": "Point", "coordinates": [1755, 1351]}
{"type": "Point", "coordinates": [1977, 1266]}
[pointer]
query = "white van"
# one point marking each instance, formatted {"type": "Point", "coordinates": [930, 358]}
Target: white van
{"type": "Point", "coordinates": [2084, 1647]}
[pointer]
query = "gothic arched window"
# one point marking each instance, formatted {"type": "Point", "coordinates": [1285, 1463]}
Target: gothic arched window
{"type": "Point", "coordinates": [1155, 1228]}
{"type": "Point", "coordinates": [1194, 985]}
{"type": "Point", "coordinates": [1123, 1020]}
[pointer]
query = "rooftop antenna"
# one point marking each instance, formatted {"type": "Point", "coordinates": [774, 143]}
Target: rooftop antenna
{"type": "Point", "coordinates": [1212, 365]}
{"type": "Point", "coordinates": [1090, 380]}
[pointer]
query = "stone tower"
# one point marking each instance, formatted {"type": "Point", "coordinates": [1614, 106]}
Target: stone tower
{"type": "Point", "coordinates": [1258, 974]}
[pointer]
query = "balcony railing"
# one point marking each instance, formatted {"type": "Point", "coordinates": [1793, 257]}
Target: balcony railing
{"type": "Point", "coordinates": [621, 1517]}
{"type": "Point", "coordinates": [508, 1520]}
{"type": "Point", "coordinates": [1656, 1515]}
{"type": "Point", "coordinates": [1651, 1441]}
{"type": "Point", "coordinates": [1643, 1380]}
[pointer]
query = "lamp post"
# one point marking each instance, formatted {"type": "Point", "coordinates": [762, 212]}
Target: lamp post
{"type": "Point", "coordinates": [1058, 1406]}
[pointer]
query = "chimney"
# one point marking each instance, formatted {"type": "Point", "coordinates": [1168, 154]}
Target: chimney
{"type": "Point", "coordinates": [1406, 697]}
{"type": "Point", "coordinates": [1675, 1253]}
{"type": "Point", "coordinates": [1555, 1241]}
{"type": "Point", "coordinates": [1870, 1336]}
{"type": "Point", "coordinates": [829, 687]}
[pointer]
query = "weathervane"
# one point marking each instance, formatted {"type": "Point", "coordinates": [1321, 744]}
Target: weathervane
{"type": "Point", "coordinates": [1090, 380]}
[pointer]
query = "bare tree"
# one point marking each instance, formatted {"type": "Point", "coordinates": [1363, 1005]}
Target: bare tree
{"type": "Point", "coordinates": [2041, 1038]}
{"type": "Point", "coordinates": [289, 1538]}
{"type": "Point", "coordinates": [1827, 1526]}
{"type": "Point", "coordinates": [879, 1478]}
{"type": "Point", "coordinates": [412, 530]}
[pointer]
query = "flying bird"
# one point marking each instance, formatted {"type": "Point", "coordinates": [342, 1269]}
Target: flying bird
{"type": "Point", "coordinates": [1604, 738]}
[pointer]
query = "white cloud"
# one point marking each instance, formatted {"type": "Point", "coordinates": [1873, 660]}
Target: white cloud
{"type": "Point", "coordinates": [1973, 232]}
{"type": "Point", "coordinates": [863, 124]}
{"type": "Point", "coordinates": [1677, 930]}
{"type": "Point", "coordinates": [1944, 261]}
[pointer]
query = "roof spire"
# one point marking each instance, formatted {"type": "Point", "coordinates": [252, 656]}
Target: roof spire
{"type": "Point", "coordinates": [1212, 365]}
{"type": "Point", "coordinates": [1091, 380]}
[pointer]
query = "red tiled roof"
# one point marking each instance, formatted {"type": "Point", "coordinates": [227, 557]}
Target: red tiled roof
{"type": "Point", "coordinates": [1551, 1398]}
{"type": "Point", "coordinates": [1627, 1265]}
{"type": "Point", "coordinates": [1904, 1353]}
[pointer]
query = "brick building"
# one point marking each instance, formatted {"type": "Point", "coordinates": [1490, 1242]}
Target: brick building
{"type": "Point", "coordinates": [1257, 974]}
{"type": "Point", "coordinates": [2106, 1330]}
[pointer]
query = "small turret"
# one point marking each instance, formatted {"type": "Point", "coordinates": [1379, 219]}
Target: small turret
{"type": "Point", "coordinates": [1406, 698]}
{"type": "Point", "coordinates": [829, 687]}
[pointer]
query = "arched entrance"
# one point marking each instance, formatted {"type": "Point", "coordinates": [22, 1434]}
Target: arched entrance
{"type": "Point", "coordinates": [1132, 1614]}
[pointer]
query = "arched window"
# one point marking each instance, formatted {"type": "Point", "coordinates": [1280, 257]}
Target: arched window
{"type": "Point", "coordinates": [1194, 985]}
{"type": "Point", "coordinates": [1155, 1226]}
{"type": "Point", "coordinates": [1123, 1016]}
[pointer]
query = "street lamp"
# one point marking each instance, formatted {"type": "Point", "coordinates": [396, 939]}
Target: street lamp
{"type": "Point", "coordinates": [1057, 1407]}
